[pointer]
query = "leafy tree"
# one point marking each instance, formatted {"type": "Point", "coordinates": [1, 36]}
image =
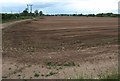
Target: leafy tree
{"type": "Point", "coordinates": [109, 14]}
{"type": "Point", "coordinates": [36, 13]}
{"type": "Point", "coordinates": [91, 15]}
{"type": "Point", "coordinates": [25, 12]}
{"type": "Point", "coordinates": [41, 13]}
{"type": "Point", "coordinates": [100, 15]}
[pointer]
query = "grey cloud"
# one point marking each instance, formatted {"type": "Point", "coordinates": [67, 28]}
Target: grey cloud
{"type": "Point", "coordinates": [46, 5]}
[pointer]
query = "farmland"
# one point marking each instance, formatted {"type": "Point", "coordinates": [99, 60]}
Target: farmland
{"type": "Point", "coordinates": [60, 48]}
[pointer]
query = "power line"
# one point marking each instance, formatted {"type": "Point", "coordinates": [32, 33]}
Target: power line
{"type": "Point", "coordinates": [31, 10]}
{"type": "Point", "coordinates": [29, 7]}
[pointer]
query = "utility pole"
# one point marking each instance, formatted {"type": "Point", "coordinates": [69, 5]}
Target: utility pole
{"type": "Point", "coordinates": [19, 14]}
{"type": "Point", "coordinates": [11, 12]}
{"type": "Point", "coordinates": [28, 8]}
{"type": "Point", "coordinates": [31, 10]}
{"type": "Point", "coordinates": [76, 13]}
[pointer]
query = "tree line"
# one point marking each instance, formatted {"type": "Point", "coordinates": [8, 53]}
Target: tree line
{"type": "Point", "coordinates": [88, 15]}
{"type": "Point", "coordinates": [25, 15]}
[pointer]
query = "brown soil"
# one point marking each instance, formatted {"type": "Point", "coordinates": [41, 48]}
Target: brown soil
{"type": "Point", "coordinates": [60, 47]}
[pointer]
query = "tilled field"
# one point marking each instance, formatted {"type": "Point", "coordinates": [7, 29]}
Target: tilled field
{"type": "Point", "coordinates": [60, 48]}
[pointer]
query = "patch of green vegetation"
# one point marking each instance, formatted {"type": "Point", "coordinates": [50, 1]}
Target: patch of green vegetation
{"type": "Point", "coordinates": [60, 64]}
{"type": "Point", "coordinates": [36, 75]}
{"type": "Point", "coordinates": [25, 80]}
{"type": "Point", "coordinates": [69, 64]}
{"type": "Point", "coordinates": [48, 67]}
{"type": "Point", "coordinates": [4, 76]}
{"type": "Point", "coordinates": [42, 75]}
{"type": "Point", "coordinates": [60, 67]}
{"type": "Point", "coordinates": [10, 20]}
{"type": "Point", "coordinates": [50, 64]}
{"type": "Point", "coordinates": [14, 72]}
{"type": "Point", "coordinates": [50, 74]}
{"type": "Point", "coordinates": [113, 76]}
{"type": "Point", "coordinates": [19, 75]}
{"type": "Point", "coordinates": [29, 65]}
{"type": "Point", "coordinates": [9, 68]}
{"type": "Point", "coordinates": [101, 77]}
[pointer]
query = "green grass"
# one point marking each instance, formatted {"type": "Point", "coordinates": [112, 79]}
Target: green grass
{"type": "Point", "coordinates": [102, 77]}
{"type": "Point", "coordinates": [69, 64]}
{"type": "Point", "coordinates": [50, 74]}
{"type": "Point", "coordinates": [60, 64]}
{"type": "Point", "coordinates": [11, 20]}
{"type": "Point", "coordinates": [20, 18]}
{"type": "Point", "coordinates": [113, 76]}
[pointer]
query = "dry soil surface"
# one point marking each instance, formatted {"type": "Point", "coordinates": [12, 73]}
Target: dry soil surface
{"type": "Point", "coordinates": [60, 48]}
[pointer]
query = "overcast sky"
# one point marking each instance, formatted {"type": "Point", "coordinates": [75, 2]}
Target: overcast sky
{"type": "Point", "coordinates": [62, 6]}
